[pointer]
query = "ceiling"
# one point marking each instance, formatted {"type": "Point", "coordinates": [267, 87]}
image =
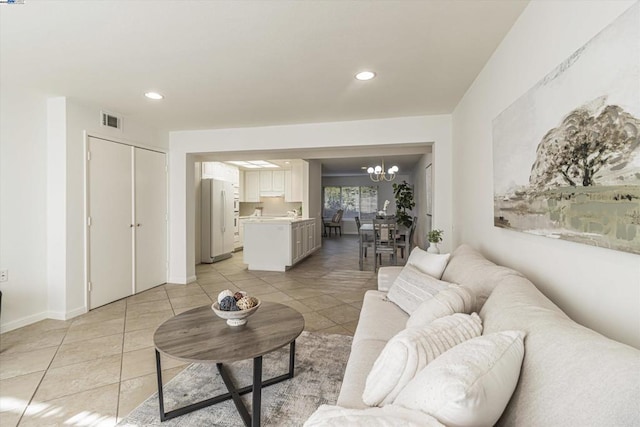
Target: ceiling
{"type": "Point", "coordinates": [224, 64]}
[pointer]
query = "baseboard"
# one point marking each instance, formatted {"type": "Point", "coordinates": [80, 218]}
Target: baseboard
{"type": "Point", "coordinates": [182, 280]}
{"type": "Point", "coordinates": [23, 321]}
{"type": "Point", "coordinates": [28, 320]}
{"type": "Point", "coordinates": [70, 314]}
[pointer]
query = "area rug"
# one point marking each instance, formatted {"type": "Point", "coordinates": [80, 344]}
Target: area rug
{"type": "Point", "coordinates": [320, 363]}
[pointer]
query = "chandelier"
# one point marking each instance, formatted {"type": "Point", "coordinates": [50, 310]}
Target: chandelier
{"type": "Point", "coordinates": [378, 173]}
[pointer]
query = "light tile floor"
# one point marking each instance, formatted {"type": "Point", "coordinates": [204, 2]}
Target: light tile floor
{"type": "Point", "coordinates": [96, 368]}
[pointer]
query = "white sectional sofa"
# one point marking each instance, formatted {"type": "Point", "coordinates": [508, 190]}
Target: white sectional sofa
{"type": "Point", "coordinates": [570, 375]}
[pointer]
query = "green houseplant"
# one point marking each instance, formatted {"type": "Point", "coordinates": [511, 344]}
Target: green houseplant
{"type": "Point", "coordinates": [404, 203]}
{"type": "Point", "coordinates": [434, 237]}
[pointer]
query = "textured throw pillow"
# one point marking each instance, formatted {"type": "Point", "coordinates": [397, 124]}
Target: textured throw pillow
{"type": "Point", "coordinates": [432, 264]}
{"type": "Point", "coordinates": [389, 416]}
{"type": "Point", "coordinates": [409, 351]}
{"type": "Point", "coordinates": [454, 299]}
{"type": "Point", "coordinates": [412, 286]}
{"type": "Point", "coordinates": [471, 384]}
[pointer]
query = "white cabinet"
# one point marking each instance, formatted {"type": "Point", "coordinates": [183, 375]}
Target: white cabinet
{"type": "Point", "coordinates": [302, 239]}
{"type": "Point", "coordinates": [126, 243]}
{"type": "Point", "coordinates": [277, 183]}
{"type": "Point", "coordinates": [272, 182]}
{"type": "Point", "coordinates": [251, 191]}
{"type": "Point", "coordinates": [276, 245]}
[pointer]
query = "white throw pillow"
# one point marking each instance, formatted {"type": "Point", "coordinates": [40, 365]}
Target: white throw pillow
{"type": "Point", "coordinates": [432, 264]}
{"type": "Point", "coordinates": [471, 384]}
{"type": "Point", "coordinates": [454, 299]}
{"type": "Point", "coordinates": [412, 286]}
{"type": "Point", "coordinates": [410, 350]}
{"type": "Point", "coordinates": [389, 416]}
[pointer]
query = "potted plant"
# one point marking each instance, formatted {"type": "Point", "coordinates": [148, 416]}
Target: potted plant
{"type": "Point", "coordinates": [404, 203]}
{"type": "Point", "coordinates": [434, 237]}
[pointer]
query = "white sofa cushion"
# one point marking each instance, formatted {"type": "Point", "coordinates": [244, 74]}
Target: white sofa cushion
{"type": "Point", "coordinates": [370, 338]}
{"type": "Point", "coordinates": [389, 416]}
{"type": "Point", "coordinates": [387, 275]}
{"type": "Point", "coordinates": [467, 267]}
{"type": "Point", "coordinates": [412, 287]}
{"type": "Point", "coordinates": [431, 264]}
{"type": "Point", "coordinates": [411, 350]}
{"type": "Point", "coordinates": [471, 384]}
{"type": "Point", "coordinates": [454, 299]}
{"type": "Point", "coordinates": [369, 325]}
{"type": "Point", "coordinates": [571, 375]}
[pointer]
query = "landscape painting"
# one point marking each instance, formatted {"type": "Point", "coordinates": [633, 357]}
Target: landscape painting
{"type": "Point", "coordinates": [566, 155]}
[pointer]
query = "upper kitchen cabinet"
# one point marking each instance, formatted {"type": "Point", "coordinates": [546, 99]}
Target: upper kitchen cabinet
{"type": "Point", "coordinates": [251, 188]}
{"type": "Point", "coordinates": [272, 182]}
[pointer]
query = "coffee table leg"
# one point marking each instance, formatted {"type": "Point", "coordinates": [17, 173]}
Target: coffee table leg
{"type": "Point", "coordinates": [292, 358]}
{"type": "Point", "coordinates": [233, 392]}
{"type": "Point", "coordinates": [257, 391]}
{"type": "Point", "coordinates": [159, 377]}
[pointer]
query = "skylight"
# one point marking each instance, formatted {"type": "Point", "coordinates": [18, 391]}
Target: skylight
{"type": "Point", "coordinates": [253, 164]}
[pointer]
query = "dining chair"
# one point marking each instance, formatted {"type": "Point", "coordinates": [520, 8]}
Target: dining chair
{"type": "Point", "coordinates": [405, 240]}
{"type": "Point", "coordinates": [384, 239]}
{"type": "Point", "coordinates": [335, 223]}
{"type": "Point", "coordinates": [365, 241]}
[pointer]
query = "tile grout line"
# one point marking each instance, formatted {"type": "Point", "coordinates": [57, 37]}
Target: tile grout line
{"type": "Point", "coordinates": [124, 328]}
{"type": "Point", "coordinates": [43, 376]}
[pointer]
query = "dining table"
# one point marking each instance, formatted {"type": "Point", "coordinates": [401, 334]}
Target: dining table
{"type": "Point", "coordinates": [365, 234]}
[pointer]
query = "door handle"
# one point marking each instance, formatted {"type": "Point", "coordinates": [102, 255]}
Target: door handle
{"type": "Point", "coordinates": [131, 225]}
{"type": "Point", "coordinates": [138, 225]}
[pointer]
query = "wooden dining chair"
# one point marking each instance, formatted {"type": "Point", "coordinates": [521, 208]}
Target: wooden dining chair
{"type": "Point", "coordinates": [365, 241]}
{"type": "Point", "coordinates": [334, 224]}
{"type": "Point", "coordinates": [405, 241]}
{"type": "Point", "coordinates": [384, 239]}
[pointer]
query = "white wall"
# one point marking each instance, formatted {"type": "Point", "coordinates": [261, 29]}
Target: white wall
{"type": "Point", "coordinates": [599, 288]}
{"type": "Point", "coordinates": [23, 204]}
{"type": "Point", "coordinates": [385, 192]}
{"type": "Point", "coordinates": [312, 189]}
{"type": "Point", "coordinates": [42, 193]}
{"type": "Point", "coordinates": [363, 133]}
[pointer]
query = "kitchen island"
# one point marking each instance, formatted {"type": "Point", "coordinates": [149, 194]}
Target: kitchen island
{"type": "Point", "coordinates": [276, 244]}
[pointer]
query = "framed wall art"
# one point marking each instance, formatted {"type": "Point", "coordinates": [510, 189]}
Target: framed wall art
{"type": "Point", "coordinates": [566, 155]}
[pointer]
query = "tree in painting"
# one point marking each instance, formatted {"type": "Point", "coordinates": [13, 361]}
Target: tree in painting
{"type": "Point", "coordinates": [584, 143]}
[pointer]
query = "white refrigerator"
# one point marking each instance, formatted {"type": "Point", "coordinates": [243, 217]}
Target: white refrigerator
{"type": "Point", "coordinates": [217, 220]}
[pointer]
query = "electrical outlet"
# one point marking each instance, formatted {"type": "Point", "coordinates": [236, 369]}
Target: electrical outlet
{"type": "Point", "coordinates": [4, 275]}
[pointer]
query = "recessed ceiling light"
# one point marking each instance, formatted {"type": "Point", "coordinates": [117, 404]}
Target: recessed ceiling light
{"type": "Point", "coordinates": [153, 95]}
{"type": "Point", "coordinates": [365, 75]}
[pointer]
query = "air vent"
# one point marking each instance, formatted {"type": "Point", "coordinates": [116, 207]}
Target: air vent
{"type": "Point", "coordinates": [111, 121]}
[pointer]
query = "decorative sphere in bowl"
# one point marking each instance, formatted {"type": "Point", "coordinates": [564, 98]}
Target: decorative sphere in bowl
{"type": "Point", "coordinates": [235, 318]}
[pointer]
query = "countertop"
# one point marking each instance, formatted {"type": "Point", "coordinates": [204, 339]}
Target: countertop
{"type": "Point", "coordinates": [273, 220]}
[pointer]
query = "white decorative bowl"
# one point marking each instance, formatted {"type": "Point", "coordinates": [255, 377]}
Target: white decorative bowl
{"type": "Point", "coordinates": [235, 318]}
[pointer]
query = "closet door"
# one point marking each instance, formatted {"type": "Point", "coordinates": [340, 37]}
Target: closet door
{"type": "Point", "coordinates": [151, 219]}
{"type": "Point", "coordinates": [111, 229]}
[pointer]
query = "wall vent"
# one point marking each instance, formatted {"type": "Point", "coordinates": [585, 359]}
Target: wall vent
{"type": "Point", "coordinates": [110, 120]}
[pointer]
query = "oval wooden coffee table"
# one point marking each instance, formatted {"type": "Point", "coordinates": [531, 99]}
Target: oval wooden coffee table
{"type": "Point", "coordinates": [199, 336]}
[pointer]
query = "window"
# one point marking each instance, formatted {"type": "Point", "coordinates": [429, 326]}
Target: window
{"type": "Point", "coordinates": [355, 201]}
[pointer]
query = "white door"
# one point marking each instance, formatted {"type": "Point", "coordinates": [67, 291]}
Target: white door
{"type": "Point", "coordinates": [151, 219]}
{"type": "Point", "coordinates": [110, 269]}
